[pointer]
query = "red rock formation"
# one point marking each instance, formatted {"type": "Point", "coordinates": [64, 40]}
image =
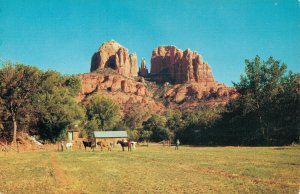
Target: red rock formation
{"type": "Point", "coordinates": [143, 71]}
{"type": "Point", "coordinates": [194, 83]}
{"type": "Point", "coordinates": [170, 64]}
{"type": "Point", "coordinates": [112, 55]}
{"type": "Point", "coordinates": [94, 82]}
{"type": "Point", "coordinates": [124, 91]}
{"type": "Point", "coordinates": [196, 94]}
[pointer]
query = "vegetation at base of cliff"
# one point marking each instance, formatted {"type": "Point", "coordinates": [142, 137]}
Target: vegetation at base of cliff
{"type": "Point", "coordinates": [102, 112]}
{"type": "Point", "coordinates": [266, 112]}
{"type": "Point", "coordinates": [268, 109]}
{"type": "Point", "coordinates": [37, 102]}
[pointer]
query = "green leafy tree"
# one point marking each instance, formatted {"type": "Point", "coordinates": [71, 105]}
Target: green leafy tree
{"type": "Point", "coordinates": [56, 107]}
{"type": "Point", "coordinates": [90, 126]}
{"type": "Point", "coordinates": [174, 120]}
{"type": "Point", "coordinates": [284, 112]}
{"type": "Point", "coordinates": [156, 124]}
{"type": "Point", "coordinates": [261, 112]}
{"type": "Point", "coordinates": [104, 110]}
{"type": "Point", "coordinates": [73, 84]}
{"type": "Point", "coordinates": [198, 124]}
{"type": "Point", "coordinates": [135, 116]}
{"type": "Point", "coordinates": [18, 83]}
{"type": "Point", "coordinates": [37, 102]}
{"type": "Point", "coordinates": [133, 134]}
{"type": "Point", "coordinates": [145, 135]}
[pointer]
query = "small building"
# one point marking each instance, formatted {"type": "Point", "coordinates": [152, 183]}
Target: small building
{"type": "Point", "coordinates": [110, 136]}
{"type": "Point", "coordinates": [73, 134]}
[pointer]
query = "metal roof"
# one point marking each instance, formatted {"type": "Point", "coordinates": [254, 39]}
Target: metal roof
{"type": "Point", "coordinates": [107, 134]}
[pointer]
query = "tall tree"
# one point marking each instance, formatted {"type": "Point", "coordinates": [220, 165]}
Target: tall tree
{"type": "Point", "coordinates": [261, 89]}
{"type": "Point", "coordinates": [135, 116]}
{"type": "Point", "coordinates": [17, 84]}
{"type": "Point", "coordinates": [104, 110]}
{"type": "Point", "coordinates": [57, 109]}
{"type": "Point", "coordinates": [155, 126]}
{"type": "Point", "coordinates": [197, 124]}
{"type": "Point", "coordinates": [38, 101]}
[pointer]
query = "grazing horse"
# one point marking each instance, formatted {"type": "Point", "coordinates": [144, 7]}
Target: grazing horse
{"type": "Point", "coordinates": [125, 144]}
{"type": "Point", "coordinates": [133, 143]}
{"type": "Point", "coordinates": [89, 143]}
{"type": "Point", "coordinates": [69, 146]}
{"type": "Point", "coordinates": [102, 144]}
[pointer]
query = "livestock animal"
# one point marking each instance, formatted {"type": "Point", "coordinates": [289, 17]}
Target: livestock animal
{"type": "Point", "coordinates": [89, 143]}
{"type": "Point", "coordinates": [133, 143]}
{"type": "Point", "coordinates": [69, 146]}
{"type": "Point", "coordinates": [102, 144]}
{"type": "Point", "coordinates": [125, 144]}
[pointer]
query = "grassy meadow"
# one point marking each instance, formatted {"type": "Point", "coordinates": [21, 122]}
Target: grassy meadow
{"type": "Point", "coordinates": [153, 169]}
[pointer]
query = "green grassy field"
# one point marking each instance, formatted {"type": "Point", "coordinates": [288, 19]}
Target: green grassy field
{"type": "Point", "coordinates": [153, 169]}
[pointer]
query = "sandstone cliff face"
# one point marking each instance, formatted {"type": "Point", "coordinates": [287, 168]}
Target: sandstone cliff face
{"type": "Point", "coordinates": [93, 82]}
{"type": "Point", "coordinates": [124, 91]}
{"type": "Point", "coordinates": [194, 83]}
{"type": "Point", "coordinates": [112, 55]}
{"type": "Point", "coordinates": [170, 64]}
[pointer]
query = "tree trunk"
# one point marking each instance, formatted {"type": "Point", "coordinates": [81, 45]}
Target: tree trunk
{"type": "Point", "coordinates": [102, 124]}
{"type": "Point", "coordinates": [14, 129]}
{"type": "Point", "coordinates": [14, 122]}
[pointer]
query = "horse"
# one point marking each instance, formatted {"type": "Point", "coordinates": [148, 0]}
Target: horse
{"type": "Point", "coordinates": [89, 143]}
{"type": "Point", "coordinates": [69, 146]}
{"type": "Point", "coordinates": [133, 143]}
{"type": "Point", "coordinates": [125, 144]}
{"type": "Point", "coordinates": [102, 144]}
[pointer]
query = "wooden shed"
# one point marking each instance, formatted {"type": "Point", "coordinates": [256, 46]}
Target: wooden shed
{"type": "Point", "coordinates": [110, 136]}
{"type": "Point", "coordinates": [73, 135]}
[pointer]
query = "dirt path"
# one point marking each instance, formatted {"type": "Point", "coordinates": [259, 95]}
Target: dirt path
{"type": "Point", "coordinates": [62, 180]}
{"type": "Point", "coordinates": [60, 177]}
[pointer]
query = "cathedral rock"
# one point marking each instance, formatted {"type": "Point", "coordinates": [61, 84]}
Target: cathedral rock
{"type": "Point", "coordinates": [170, 64]}
{"type": "Point", "coordinates": [113, 55]}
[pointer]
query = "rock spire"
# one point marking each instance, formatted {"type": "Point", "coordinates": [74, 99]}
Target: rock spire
{"type": "Point", "coordinates": [113, 55]}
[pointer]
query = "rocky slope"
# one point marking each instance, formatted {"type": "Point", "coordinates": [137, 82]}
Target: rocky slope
{"type": "Point", "coordinates": [194, 94]}
{"type": "Point", "coordinates": [113, 55]}
{"type": "Point", "coordinates": [123, 90]}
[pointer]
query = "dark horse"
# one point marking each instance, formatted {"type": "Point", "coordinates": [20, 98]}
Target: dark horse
{"type": "Point", "coordinates": [89, 143]}
{"type": "Point", "coordinates": [125, 144]}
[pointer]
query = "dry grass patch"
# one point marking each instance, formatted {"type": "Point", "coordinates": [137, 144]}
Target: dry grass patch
{"type": "Point", "coordinates": [155, 169]}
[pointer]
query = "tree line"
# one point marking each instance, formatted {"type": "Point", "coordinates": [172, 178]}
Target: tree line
{"type": "Point", "coordinates": [266, 111]}
{"type": "Point", "coordinates": [37, 102]}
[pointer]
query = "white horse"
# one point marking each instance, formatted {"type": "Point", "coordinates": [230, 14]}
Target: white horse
{"type": "Point", "coordinates": [133, 143]}
{"type": "Point", "coordinates": [69, 146]}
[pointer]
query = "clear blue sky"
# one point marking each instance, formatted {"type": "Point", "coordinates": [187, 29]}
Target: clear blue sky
{"type": "Point", "coordinates": [63, 35]}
